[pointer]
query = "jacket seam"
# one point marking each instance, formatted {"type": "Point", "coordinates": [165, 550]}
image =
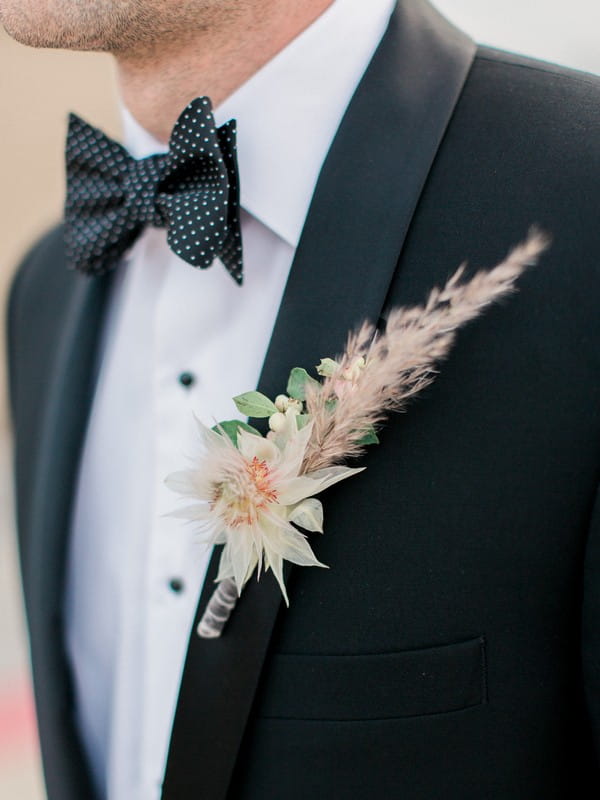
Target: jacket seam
{"type": "Point", "coordinates": [588, 81]}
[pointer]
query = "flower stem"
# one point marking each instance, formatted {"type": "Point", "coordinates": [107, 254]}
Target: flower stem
{"type": "Point", "coordinates": [218, 610]}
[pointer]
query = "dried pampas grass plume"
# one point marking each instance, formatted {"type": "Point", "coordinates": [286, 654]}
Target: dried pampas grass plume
{"type": "Point", "coordinates": [401, 361]}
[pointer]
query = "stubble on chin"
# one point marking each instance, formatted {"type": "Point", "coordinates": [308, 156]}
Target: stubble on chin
{"type": "Point", "coordinates": [71, 24]}
{"type": "Point", "coordinates": [113, 26]}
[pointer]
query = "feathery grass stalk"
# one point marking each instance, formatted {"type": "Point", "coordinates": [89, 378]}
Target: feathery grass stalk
{"type": "Point", "coordinates": [402, 361]}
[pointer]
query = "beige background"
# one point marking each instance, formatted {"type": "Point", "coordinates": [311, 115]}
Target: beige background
{"type": "Point", "coordinates": [37, 89]}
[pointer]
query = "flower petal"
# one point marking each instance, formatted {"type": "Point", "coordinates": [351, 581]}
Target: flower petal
{"type": "Point", "coordinates": [182, 482]}
{"type": "Point", "coordinates": [225, 567]}
{"type": "Point", "coordinates": [282, 538]}
{"type": "Point", "coordinates": [211, 439]}
{"type": "Point", "coordinates": [330, 475]}
{"type": "Point", "coordinates": [275, 561]}
{"type": "Point", "coordinates": [297, 550]}
{"type": "Point", "coordinates": [199, 512]}
{"type": "Point", "coordinates": [293, 452]}
{"type": "Point", "coordinates": [308, 514]}
{"type": "Point", "coordinates": [292, 491]}
{"type": "Point", "coordinates": [252, 446]}
{"type": "Point", "coordinates": [239, 552]}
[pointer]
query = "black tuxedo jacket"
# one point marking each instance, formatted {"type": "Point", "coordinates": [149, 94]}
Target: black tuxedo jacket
{"type": "Point", "coordinates": [453, 648]}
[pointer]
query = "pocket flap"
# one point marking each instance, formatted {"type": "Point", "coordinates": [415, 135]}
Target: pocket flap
{"type": "Point", "coordinates": [375, 686]}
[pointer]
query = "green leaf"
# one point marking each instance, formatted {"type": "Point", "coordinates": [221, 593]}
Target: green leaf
{"type": "Point", "coordinates": [369, 437]}
{"type": "Point", "coordinates": [302, 420]}
{"type": "Point", "coordinates": [298, 379]}
{"type": "Point", "coordinates": [254, 404]}
{"type": "Point", "coordinates": [327, 367]}
{"type": "Point", "coordinates": [231, 427]}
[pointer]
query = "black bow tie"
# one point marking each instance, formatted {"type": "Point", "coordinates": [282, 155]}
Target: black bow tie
{"type": "Point", "coordinates": [192, 191]}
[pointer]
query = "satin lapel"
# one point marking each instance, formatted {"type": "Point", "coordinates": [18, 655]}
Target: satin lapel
{"type": "Point", "coordinates": [353, 236]}
{"type": "Point", "coordinates": [52, 480]}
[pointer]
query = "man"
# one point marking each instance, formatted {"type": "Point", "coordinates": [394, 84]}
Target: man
{"type": "Point", "coordinates": [453, 647]}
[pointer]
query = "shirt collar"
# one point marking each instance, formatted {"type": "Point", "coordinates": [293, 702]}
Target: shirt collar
{"type": "Point", "coordinates": [288, 112]}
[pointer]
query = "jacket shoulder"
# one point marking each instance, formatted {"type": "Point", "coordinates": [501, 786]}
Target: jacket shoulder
{"type": "Point", "coordinates": [522, 148]}
{"type": "Point", "coordinates": [525, 137]}
{"type": "Point", "coordinates": [542, 70]}
{"type": "Point", "coordinates": [550, 98]}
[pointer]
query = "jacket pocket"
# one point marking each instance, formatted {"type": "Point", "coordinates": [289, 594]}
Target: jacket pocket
{"type": "Point", "coordinates": [408, 683]}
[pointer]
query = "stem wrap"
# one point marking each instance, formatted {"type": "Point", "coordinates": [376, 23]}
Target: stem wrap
{"type": "Point", "coordinates": [218, 610]}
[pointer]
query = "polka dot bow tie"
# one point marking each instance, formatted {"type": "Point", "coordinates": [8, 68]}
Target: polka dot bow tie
{"type": "Point", "coordinates": [192, 190]}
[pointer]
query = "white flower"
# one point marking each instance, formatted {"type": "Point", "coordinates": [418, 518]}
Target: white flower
{"type": "Point", "coordinates": [283, 427]}
{"type": "Point", "coordinates": [282, 402]}
{"type": "Point", "coordinates": [248, 497]}
{"type": "Point", "coordinates": [277, 422]}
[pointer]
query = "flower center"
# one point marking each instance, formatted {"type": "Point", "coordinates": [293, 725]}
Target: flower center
{"type": "Point", "coordinates": [238, 501]}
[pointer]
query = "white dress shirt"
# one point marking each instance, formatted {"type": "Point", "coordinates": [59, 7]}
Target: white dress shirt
{"type": "Point", "coordinates": [134, 575]}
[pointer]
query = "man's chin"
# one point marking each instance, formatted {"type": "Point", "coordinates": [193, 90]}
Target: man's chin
{"type": "Point", "coordinates": [22, 30]}
{"type": "Point", "coordinates": [41, 37]}
{"type": "Point", "coordinates": [53, 25]}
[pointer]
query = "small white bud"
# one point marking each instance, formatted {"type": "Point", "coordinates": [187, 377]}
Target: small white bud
{"type": "Point", "coordinates": [277, 422]}
{"type": "Point", "coordinates": [294, 406]}
{"type": "Point", "coordinates": [282, 402]}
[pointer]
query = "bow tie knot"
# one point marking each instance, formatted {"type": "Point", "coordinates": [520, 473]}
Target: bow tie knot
{"type": "Point", "coordinates": [192, 190]}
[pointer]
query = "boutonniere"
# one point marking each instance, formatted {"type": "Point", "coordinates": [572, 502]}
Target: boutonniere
{"type": "Point", "coordinates": [256, 495]}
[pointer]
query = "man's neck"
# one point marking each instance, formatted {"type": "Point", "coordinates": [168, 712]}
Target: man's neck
{"type": "Point", "coordinates": [157, 84]}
